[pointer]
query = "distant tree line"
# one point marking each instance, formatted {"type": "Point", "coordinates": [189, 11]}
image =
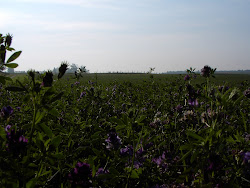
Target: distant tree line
{"type": "Point", "coordinates": [73, 68]}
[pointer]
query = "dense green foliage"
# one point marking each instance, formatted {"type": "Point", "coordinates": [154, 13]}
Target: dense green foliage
{"type": "Point", "coordinates": [156, 132]}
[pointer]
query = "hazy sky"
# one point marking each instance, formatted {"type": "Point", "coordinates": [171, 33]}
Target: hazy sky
{"type": "Point", "coordinates": [129, 35]}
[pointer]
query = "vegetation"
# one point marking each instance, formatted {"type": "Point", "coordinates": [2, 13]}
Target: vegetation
{"type": "Point", "coordinates": [185, 131]}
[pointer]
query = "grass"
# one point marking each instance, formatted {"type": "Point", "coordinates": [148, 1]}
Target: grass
{"type": "Point", "coordinates": [108, 78]}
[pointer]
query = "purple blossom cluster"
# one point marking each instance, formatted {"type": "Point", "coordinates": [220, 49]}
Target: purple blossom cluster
{"type": "Point", "coordinates": [246, 157]}
{"type": "Point", "coordinates": [206, 71]}
{"type": "Point", "coordinates": [113, 141]}
{"type": "Point", "coordinates": [80, 175]}
{"type": "Point", "coordinates": [16, 142]}
{"type": "Point", "coordinates": [101, 171]}
{"type": "Point", "coordinates": [6, 111]}
{"type": "Point", "coordinates": [161, 161]}
{"type": "Point", "coordinates": [127, 151]}
{"type": "Point", "coordinates": [187, 77]}
{"type": "Point", "coordinates": [247, 93]}
{"type": "Point", "coordinates": [223, 88]}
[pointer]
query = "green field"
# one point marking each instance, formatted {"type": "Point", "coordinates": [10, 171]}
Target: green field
{"type": "Point", "coordinates": [108, 78]}
{"type": "Point", "coordinates": [125, 130]}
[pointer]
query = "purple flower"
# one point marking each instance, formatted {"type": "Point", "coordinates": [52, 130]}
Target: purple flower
{"type": "Point", "coordinates": [101, 171]}
{"type": "Point", "coordinates": [7, 111]}
{"type": "Point", "coordinates": [77, 83]}
{"type": "Point", "coordinates": [246, 157]}
{"type": "Point", "coordinates": [113, 141]}
{"type": "Point", "coordinates": [80, 175]}
{"type": "Point", "coordinates": [128, 150]}
{"type": "Point", "coordinates": [48, 79]}
{"type": "Point", "coordinates": [82, 94]}
{"type": "Point", "coordinates": [179, 108]}
{"type": "Point", "coordinates": [161, 161]}
{"type": "Point", "coordinates": [225, 88]}
{"type": "Point", "coordinates": [193, 102]}
{"type": "Point", "coordinates": [16, 142]}
{"type": "Point", "coordinates": [187, 77]}
{"type": "Point", "coordinates": [62, 69]}
{"type": "Point", "coordinates": [206, 71]}
{"type": "Point", "coordinates": [7, 128]}
{"type": "Point", "coordinates": [247, 93]}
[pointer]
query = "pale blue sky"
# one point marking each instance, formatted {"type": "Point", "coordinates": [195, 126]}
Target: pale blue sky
{"type": "Point", "coordinates": [126, 35]}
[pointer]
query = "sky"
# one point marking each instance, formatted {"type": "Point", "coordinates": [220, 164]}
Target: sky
{"type": "Point", "coordinates": [129, 35]}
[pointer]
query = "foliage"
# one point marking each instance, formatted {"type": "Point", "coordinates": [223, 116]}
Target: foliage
{"type": "Point", "coordinates": [69, 133]}
{"type": "Point", "coordinates": [5, 45]}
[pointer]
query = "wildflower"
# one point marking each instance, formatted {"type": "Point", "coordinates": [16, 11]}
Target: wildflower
{"type": "Point", "coordinates": [16, 141]}
{"type": "Point", "coordinates": [48, 79]}
{"type": "Point", "coordinates": [82, 94]}
{"type": "Point", "coordinates": [246, 137]}
{"type": "Point", "coordinates": [1, 39]}
{"type": "Point", "coordinates": [128, 150]}
{"type": "Point", "coordinates": [113, 141]}
{"type": "Point", "coordinates": [206, 71]}
{"type": "Point", "coordinates": [7, 128]}
{"type": "Point", "coordinates": [193, 102]}
{"type": "Point", "coordinates": [223, 88]}
{"type": "Point", "coordinates": [246, 157]}
{"type": "Point", "coordinates": [8, 39]}
{"type": "Point", "coordinates": [247, 93]}
{"type": "Point", "coordinates": [178, 108]}
{"type": "Point", "coordinates": [62, 69]}
{"type": "Point", "coordinates": [2, 57]}
{"type": "Point", "coordinates": [187, 77]}
{"type": "Point", "coordinates": [161, 161]}
{"type": "Point", "coordinates": [80, 175]}
{"type": "Point", "coordinates": [31, 73]}
{"type": "Point", "coordinates": [101, 171]}
{"type": "Point", "coordinates": [7, 111]}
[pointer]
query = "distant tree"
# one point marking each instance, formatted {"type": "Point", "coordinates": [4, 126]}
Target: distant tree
{"type": "Point", "coordinates": [73, 68]}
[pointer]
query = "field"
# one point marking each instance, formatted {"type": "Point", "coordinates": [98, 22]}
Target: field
{"type": "Point", "coordinates": [125, 130]}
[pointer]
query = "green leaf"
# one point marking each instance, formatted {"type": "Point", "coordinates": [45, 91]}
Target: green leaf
{"type": "Point", "coordinates": [57, 97]}
{"type": "Point", "coordinates": [96, 151]}
{"type": "Point", "coordinates": [194, 135]}
{"type": "Point", "coordinates": [58, 156]}
{"type": "Point", "coordinates": [134, 174]}
{"type": "Point", "coordinates": [31, 183]}
{"type": "Point", "coordinates": [194, 156]}
{"type": "Point", "coordinates": [186, 147]}
{"type": "Point", "coordinates": [10, 49]}
{"type": "Point", "coordinates": [54, 112]}
{"type": "Point", "coordinates": [46, 130]}
{"type": "Point", "coordinates": [3, 79]}
{"type": "Point", "coordinates": [185, 155]}
{"type": "Point", "coordinates": [2, 133]}
{"type": "Point", "coordinates": [141, 119]}
{"type": "Point", "coordinates": [118, 121]}
{"type": "Point", "coordinates": [14, 56]}
{"type": "Point", "coordinates": [22, 86]}
{"type": "Point", "coordinates": [39, 116]}
{"type": "Point", "coordinates": [14, 88]}
{"type": "Point", "coordinates": [56, 141]}
{"type": "Point", "coordinates": [11, 65]}
{"type": "Point", "coordinates": [113, 171]}
{"type": "Point", "coordinates": [244, 120]}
